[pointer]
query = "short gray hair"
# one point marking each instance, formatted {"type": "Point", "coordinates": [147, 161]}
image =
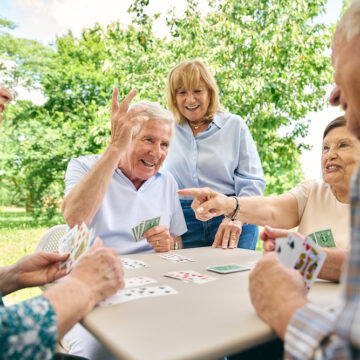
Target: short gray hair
{"type": "Point", "coordinates": [154, 112]}
{"type": "Point", "coordinates": [349, 24]}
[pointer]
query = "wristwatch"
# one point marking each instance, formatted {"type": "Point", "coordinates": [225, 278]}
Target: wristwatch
{"type": "Point", "coordinates": [176, 245]}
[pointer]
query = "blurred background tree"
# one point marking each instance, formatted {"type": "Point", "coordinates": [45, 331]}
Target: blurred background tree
{"type": "Point", "coordinates": [270, 60]}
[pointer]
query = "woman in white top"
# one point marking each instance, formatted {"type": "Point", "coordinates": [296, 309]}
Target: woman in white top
{"type": "Point", "coordinates": [312, 206]}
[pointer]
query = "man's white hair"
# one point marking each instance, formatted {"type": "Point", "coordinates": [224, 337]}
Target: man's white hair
{"type": "Point", "coordinates": [154, 112]}
{"type": "Point", "coordinates": [349, 24]}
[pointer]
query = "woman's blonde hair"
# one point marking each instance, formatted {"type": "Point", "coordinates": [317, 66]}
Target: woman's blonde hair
{"type": "Point", "coordinates": [188, 74]}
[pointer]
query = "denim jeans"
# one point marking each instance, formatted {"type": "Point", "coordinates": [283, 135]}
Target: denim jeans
{"type": "Point", "coordinates": [202, 233]}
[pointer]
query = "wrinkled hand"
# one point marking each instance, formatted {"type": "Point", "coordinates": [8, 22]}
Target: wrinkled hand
{"type": "Point", "coordinates": [124, 120]}
{"type": "Point", "coordinates": [39, 269]}
{"type": "Point", "coordinates": [159, 238]}
{"type": "Point", "coordinates": [228, 234]}
{"type": "Point", "coordinates": [100, 270]}
{"type": "Point", "coordinates": [208, 203]}
{"type": "Point", "coordinates": [269, 235]}
{"type": "Point", "coordinates": [276, 292]}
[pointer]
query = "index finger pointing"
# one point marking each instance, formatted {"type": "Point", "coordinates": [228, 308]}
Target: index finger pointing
{"type": "Point", "coordinates": [191, 192]}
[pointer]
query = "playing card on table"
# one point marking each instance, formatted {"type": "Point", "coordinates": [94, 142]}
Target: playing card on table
{"type": "Point", "coordinates": [138, 281]}
{"type": "Point", "coordinates": [190, 276]}
{"type": "Point", "coordinates": [133, 264]}
{"type": "Point", "coordinates": [176, 258]}
{"type": "Point", "coordinates": [310, 261]}
{"type": "Point", "coordinates": [138, 293]}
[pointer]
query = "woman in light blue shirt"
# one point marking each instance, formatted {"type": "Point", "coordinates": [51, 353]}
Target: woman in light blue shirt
{"type": "Point", "coordinates": [211, 148]}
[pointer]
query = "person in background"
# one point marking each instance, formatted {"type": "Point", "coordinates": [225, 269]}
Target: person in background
{"type": "Point", "coordinates": [30, 329]}
{"type": "Point", "coordinates": [278, 293]}
{"type": "Point", "coordinates": [210, 148]}
{"type": "Point", "coordinates": [312, 206]}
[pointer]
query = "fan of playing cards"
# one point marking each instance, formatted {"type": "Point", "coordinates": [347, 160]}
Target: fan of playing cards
{"type": "Point", "coordinates": [302, 255]}
{"type": "Point", "coordinates": [75, 242]}
{"type": "Point", "coordinates": [138, 231]}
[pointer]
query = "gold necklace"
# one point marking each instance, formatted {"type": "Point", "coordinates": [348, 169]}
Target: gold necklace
{"type": "Point", "coordinates": [198, 125]}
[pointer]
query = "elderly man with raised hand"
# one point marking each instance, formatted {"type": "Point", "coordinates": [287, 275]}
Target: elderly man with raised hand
{"type": "Point", "coordinates": [277, 293]}
{"type": "Point", "coordinates": [126, 185]}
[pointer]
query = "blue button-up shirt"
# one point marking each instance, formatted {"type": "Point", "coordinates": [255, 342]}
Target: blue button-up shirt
{"type": "Point", "coordinates": [223, 157]}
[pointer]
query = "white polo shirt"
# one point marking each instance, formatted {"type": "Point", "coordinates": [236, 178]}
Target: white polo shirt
{"type": "Point", "coordinates": [124, 207]}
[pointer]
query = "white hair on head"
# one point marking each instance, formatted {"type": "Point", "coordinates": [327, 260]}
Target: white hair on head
{"type": "Point", "coordinates": [154, 111]}
{"type": "Point", "coordinates": [349, 24]}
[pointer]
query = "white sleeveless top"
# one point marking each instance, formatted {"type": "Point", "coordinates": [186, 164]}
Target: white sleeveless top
{"type": "Point", "coordinates": [319, 209]}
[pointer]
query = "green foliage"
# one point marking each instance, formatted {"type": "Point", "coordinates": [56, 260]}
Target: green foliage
{"type": "Point", "coordinates": [269, 58]}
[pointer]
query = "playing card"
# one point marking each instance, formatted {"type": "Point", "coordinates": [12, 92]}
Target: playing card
{"type": "Point", "coordinates": [190, 276]}
{"type": "Point", "coordinates": [138, 281]}
{"type": "Point", "coordinates": [133, 264]}
{"type": "Point", "coordinates": [138, 293]}
{"type": "Point", "coordinates": [175, 258]}
{"type": "Point", "coordinates": [310, 262]}
{"type": "Point", "coordinates": [150, 223]}
{"type": "Point", "coordinates": [138, 231]}
{"type": "Point", "coordinates": [288, 249]}
{"type": "Point", "coordinates": [228, 268]}
{"type": "Point", "coordinates": [325, 238]}
{"type": "Point", "coordinates": [75, 242]}
{"type": "Point", "coordinates": [312, 237]}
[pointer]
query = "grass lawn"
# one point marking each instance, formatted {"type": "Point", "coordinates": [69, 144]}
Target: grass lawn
{"type": "Point", "coordinates": [19, 236]}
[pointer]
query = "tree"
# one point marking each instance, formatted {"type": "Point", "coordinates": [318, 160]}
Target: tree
{"type": "Point", "coordinates": [269, 59]}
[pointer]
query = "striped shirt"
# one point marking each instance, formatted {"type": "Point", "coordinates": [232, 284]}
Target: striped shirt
{"type": "Point", "coordinates": [314, 333]}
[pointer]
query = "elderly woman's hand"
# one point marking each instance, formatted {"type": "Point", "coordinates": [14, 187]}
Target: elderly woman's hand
{"type": "Point", "coordinates": [228, 234]}
{"type": "Point", "coordinates": [159, 238]}
{"type": "Point", "coordinates": [208, 203]}
{"type": "Point", "coordinates": [124, 120]}
{"type": "Point", "coordinates": [32, 270]}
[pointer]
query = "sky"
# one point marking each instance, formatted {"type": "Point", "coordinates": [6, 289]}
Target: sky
{"type": "Point", "coordinates": [42, 20]}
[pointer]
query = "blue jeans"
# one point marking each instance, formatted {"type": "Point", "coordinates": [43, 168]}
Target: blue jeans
{"type": "Point", "coordinates": [202, 233]}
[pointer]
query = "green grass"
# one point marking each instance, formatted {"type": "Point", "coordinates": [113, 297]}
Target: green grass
{"type": "Point", "coordinates": [19, 236]}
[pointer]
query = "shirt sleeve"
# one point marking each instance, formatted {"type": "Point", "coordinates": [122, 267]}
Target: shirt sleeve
{"type": "Point", "coordinates": [248, 177]}
{"type": "Point", "coordinates": [75, 171]}
{"type": "Point", "coordinates": [301, 192]}
{"type": "Point", "coordinates": [177, 224]}
{"type": "Point", "coordinates": [28, 330]}
{"type": "Point", "coordinates": [311, 335]}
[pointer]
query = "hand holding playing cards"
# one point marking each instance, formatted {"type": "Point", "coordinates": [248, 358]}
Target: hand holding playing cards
{"type": "Point", "coordinates": [124, 120]}
{"type": "Point", "coordinates": [276, 292]}
{"type": "Point", "coordinates": [159, 238]}
{"type": "Point", "coordinates": [35, 270]}
{"type": "Point", "coordinates": [228, 234]}
{"type": "Point", "coordinates": [100, 271]}
{"type": "Point", "coordinates": [269, 235]}
{"type": "Point", "coordinates": [208, 203]}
